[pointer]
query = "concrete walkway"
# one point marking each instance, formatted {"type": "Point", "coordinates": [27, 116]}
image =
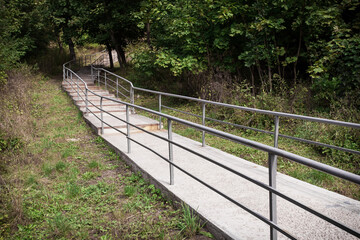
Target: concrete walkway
{"type": "Point", "coordinates": [225, 219]}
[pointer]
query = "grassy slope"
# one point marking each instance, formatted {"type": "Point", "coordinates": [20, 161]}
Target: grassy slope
{"type": "Point", "coordinates": [63, 182]}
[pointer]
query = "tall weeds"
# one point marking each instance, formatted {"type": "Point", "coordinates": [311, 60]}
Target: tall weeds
{"type": "Point", "coordinates": [16, 100]}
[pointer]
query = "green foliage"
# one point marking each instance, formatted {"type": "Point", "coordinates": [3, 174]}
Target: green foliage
{"type": "Point", "coordinates": [3, 79]}
{"type": "Point", "coordinates": [336, 73]}
{"type": "Point", "coordinates": [73, 189]}
{"type": "Point", "coordinates": [10, 144]}
{"type": "Point", "coordinates": [94, 164]}
{"type": "Point", "coordinates": [189, 224]}
{"type": "Point", "coordinates": [313, 176]}
{"type": "Point", "coordinates": [89, 175]}
{"type": "Point", "coordinates": [59, 225]}
{"type": "Point", "coordinates": [267, 43]}
{"type": "Point", "coordinates": [47, 169]}
{"type": "Point", "coordinates": [129, 191]}
{"type": "Point", "coordinates": [60, 166]}
{"type": "Point", "coordinates": [23, 30]}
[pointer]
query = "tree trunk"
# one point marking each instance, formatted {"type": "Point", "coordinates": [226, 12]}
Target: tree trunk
{"type": "Point", "coordinates": [71, 49]}
{"type": "Point", "coordinates": [268, 63]}
{"type": "Point", "coordinates": [61, 49]}
{"type": "Point", "coordinates": [120, 52]}
{"type": "Point", "coordinates": [297, 55]}
{"type": "Point", "coordinates": [122, 56]}
{"type": "Point", "coordinates": [108, 47]}
{"type": "Point", "coordinates": [148, 34]}
{"type": "Point", "coordinates": [269, 76]}
{"type": "Point", "coordinates": [277, 57]}
{"type": "Point", "coordinates": [252, 81]}
{"type": "Point", "coordinates": [260, 74]}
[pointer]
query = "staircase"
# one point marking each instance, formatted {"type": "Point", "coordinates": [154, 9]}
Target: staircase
{"type": "Point", "coordinates": [115, 112]}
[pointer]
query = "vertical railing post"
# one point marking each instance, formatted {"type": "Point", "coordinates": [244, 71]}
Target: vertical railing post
{"type": "Point", "coordinates": [272, 181]}
{"type": "Point", "coordinates": [92, 71]}
{"type": "Point", "coordinates": [203, 123]}
{"type": "Point", "coordinates": [71, 80]}
{"type": "Point", "coordinates": [98, 77]}
{"type": "Point", "coordinates": [132, 100]}
{"type": "Point", "coordinates": [78, 87]}
{"type": "Point", "coordinates": [86, 101]}
{"type": "Point", "coordinates": [159, 111]}
{"type": "Point", "coordinates": [105, 80]}
{"type": "Point", "coordinates": [67, 77]}
{"type": "Point", "coordinates": [128, 129]}
{"type": "Point", "coordinates": [171, 157]}
{"type": "Point", "coordinates": [102, 115]}
{"type": "Point", "coordinates": [117, 87]}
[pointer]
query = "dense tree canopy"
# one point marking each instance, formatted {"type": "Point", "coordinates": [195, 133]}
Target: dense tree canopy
{"type": "Point", "coordinates": [267, 43]}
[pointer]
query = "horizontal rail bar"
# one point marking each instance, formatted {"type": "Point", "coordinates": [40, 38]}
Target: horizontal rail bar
{"type": "Point", "coordinates": [255, 214]}
{"type": "Point", "coordinates": [273, 113]}
{"type": "Point", "coordinates": [258, 183]}
{"type": "Point", "coordinates": [113, 74]}
{"type": "Point", "coordinates": [268, 132]}
{"type": "Point", "coordinates": [299, 159]}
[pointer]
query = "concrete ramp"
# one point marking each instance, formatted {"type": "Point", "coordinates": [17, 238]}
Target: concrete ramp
{"type": "Point", "coordinates": [234, 222]}
{"type": "Point", "coordinates": [224, 219]}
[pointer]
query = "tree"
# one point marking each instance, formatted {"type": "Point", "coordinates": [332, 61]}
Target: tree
{"type": "Point", "coordinates": [23, 30]}
{"type": "Point", "coordinates": [112, 23]}
{"type": "Point", "coordinates": [67, 17]}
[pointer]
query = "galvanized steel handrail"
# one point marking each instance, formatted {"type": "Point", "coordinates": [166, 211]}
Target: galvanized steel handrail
{"type": "Point", "coordinates": [272, 113]}
{"type": "Point", "coordinates": [250, 143]}
{"type": "Point", "coordinates": [272, 151]}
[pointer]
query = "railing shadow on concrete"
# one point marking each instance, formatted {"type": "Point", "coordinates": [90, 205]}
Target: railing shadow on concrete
{"type": "Point", "coordinates": [104, 76]}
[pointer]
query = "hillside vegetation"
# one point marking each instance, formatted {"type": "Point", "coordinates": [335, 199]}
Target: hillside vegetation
{"type": "Point", "coordinates": [60, 181]}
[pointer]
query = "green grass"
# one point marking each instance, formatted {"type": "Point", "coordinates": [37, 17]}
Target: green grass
{"type": "Point", "coordinates": [190, 223]}
{"type": "Point", "coordinates": [66, 183]}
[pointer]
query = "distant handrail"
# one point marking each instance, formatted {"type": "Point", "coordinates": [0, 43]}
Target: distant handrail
{"type": "Point", "coordinates": [273, 152]}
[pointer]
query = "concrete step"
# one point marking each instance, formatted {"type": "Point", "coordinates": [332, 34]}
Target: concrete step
{"type": "Point", "coordinates": [90, 94]}
{"type": "Point", "coordinates": [90, 86]}
{"type": "Point", "coordinates": [111, 109]}
{"type": "Point", "coordinates": [81, 103]}
{"type": "Point", "coordinates": [138, 120]}
{"type": "Point", "coordinates": [92, 98]}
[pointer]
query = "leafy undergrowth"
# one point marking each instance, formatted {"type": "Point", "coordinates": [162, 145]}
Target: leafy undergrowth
{"type": "Point", "coordinates": [63, 182]}
{"type": "Point", "coordinates": [343, 161]}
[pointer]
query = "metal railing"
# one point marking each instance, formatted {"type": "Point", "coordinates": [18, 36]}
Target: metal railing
{"type": "Point", "coordinates": [204, 118]}
{"type": "Point", "coordinates": [82, 90]}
